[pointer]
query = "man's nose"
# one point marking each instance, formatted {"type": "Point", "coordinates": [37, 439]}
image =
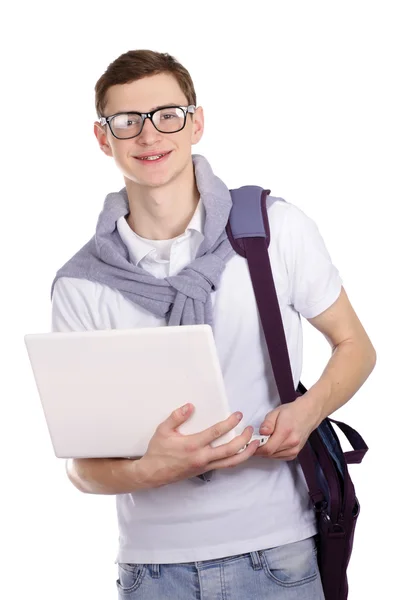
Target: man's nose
{"type": "Point", "coordinates": [149, 133]}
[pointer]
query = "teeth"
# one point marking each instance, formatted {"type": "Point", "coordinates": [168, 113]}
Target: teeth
{"type": "Point", "coordinates": [152, 157]}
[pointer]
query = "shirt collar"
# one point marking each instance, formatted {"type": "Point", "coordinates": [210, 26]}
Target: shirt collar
{"type": "Point", "coordinates": [139, 247]}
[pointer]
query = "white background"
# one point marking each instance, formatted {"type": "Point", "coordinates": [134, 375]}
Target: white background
{"type": "Point", "coordinates": [301, 97]}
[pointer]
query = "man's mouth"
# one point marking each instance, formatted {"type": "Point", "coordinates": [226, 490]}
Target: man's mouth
{"type": "Point", "coordinates": [153, 157]}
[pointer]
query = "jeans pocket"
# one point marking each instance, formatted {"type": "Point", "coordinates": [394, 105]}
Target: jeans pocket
{"type": "Point", "coordinates": [292, 564]}
{"type": "Point", "coordinates": [130, 577]}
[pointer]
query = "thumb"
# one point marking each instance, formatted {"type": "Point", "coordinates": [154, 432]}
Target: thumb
{"type": "Point", "coordinates": [268, 425]}
{"type": "Point", "coordinates": [177, 417]}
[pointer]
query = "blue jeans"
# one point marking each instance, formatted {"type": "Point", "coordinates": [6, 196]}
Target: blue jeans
{"type": "Point", "coordinates": [288, 572]}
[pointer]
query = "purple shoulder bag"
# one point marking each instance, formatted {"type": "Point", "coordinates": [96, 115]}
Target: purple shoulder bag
{"type": "Point", "coordinates": [322, 459]}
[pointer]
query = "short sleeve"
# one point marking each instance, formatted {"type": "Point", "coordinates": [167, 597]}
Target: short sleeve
{"type": "Point", "coordinates": [71, 309]}
{"type": "Point", "coordinates": [314, 282]}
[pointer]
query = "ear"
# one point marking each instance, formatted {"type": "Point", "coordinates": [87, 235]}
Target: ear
{"type": "Point", "coordinates": [100, 132]}
{"type": "Point", "coordinates": [197, 125]}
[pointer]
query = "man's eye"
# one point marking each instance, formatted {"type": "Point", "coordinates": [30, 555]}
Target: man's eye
{"type": "Point", "coordinates": [123, 122]}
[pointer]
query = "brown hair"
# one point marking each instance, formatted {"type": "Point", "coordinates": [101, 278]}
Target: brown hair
{"type": "Point", "coordinates": [136, 64]}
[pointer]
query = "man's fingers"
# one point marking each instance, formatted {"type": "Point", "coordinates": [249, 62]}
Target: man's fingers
{"type": "Point", "coordinates": [269, 423]}
{"type": "Point", "coordinates": [176, 418]}
{"type": "Point", "coordinates": [204, 438]}
{"type": "Point", "coordinates": [288, 454]}
{"type": "Point", "coordinates": [277, 441]}
{"type": "Point", "coordinates": [237, 458]}
{"type": "Point", "coordinates": [232, 447]}
{"type": "Point", "coordinates": [288, 448]}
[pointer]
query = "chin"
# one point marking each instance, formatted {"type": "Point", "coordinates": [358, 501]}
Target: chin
{"type": "Point", "coordinates": [156, 183]}
{"type": "Point", "coordinates": [150, 182]}
{"type": "Point", "coordinates": [153, 180]}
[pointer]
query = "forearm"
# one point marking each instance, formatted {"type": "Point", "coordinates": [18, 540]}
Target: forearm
{"type": "Point", "coordinates": [348, 368]}
{"type": "Point", "coordinates": [107, 476]}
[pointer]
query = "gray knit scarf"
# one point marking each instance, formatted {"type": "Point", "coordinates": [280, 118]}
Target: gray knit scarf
{"type": "Point", "coordinates": [183, 299]}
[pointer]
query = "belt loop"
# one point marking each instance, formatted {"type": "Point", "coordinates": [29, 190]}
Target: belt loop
{"type": "Point", "coordinates": [255, 561]}
{"type": "Point", "coordinates": [155, 571]}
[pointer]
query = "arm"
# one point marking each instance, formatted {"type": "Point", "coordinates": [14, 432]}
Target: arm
{"type": "Point", "coordinates": [353, 359]}
{"type": "Point", "coordinates": [105, 475]}
{"type": "Point", "coordinates": [316, 293]}
{"type": "Point", "coordinates": [170, 456]}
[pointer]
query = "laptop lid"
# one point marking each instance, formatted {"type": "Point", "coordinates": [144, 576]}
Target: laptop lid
{"type": "Point", "coordinates": [104, 393]}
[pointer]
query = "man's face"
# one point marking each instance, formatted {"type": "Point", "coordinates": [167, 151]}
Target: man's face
{"type": "Point", "coordinates": [143, 96]}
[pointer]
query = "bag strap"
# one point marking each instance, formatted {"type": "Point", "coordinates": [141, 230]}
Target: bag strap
{"type": "Point", "coordinates": [359, 446]}
{"type": "Point", "coordinates": [249, 233]}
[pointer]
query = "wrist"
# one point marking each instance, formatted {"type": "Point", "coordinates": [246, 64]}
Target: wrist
{"type": "Point", "coordinates": [312, 406]}
{"type": "Point", "coordinates": [144, 475]}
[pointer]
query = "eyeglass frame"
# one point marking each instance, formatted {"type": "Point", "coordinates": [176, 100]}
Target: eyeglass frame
{"type": "Point", "coordinates": [147, 115]}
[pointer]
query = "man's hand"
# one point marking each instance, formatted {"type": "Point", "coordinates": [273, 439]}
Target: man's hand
{"type": "Point", "coordinates": [172, 456]}
{"type": "Point", "coordinates": [289, 427]}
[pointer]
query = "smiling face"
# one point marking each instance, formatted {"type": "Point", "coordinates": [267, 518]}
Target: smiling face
{"type": "Point", "coordinates": [145, 95]}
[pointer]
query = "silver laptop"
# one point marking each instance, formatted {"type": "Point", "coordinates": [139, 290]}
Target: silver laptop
{"type": "Point", "coordinates": [104, 392]}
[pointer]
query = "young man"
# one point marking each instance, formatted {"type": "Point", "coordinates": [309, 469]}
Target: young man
{"type": "Point", "coordinates": [249, 532]}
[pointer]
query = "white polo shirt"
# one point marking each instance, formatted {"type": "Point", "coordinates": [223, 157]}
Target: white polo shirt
{"type": "Point", "coordinates": [264, 502]}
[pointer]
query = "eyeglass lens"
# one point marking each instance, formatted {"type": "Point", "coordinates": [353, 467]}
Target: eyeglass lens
{"type": "Point", "coordinates": [166, 120]}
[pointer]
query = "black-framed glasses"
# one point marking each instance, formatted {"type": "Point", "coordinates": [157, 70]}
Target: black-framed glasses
{"type": "Point", "coordinates": [166, 119]}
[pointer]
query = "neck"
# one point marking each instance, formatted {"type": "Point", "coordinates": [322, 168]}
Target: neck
{"type": "Point", "coordinates": [163, 213]}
